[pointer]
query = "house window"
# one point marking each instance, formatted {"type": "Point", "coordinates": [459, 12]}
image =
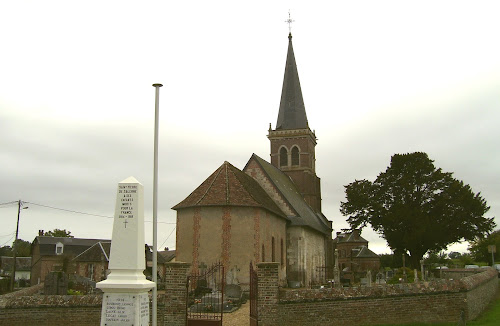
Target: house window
{"type": "Point", "coordinates": [90, 271]}
{"type": "Point", "coordinates": [295, 156]}
{"type": "Point", "coordinates": [263, 253]}
{"type": "Point", "coordinates": [273, 256]}
{"type": "Point", "coordinates": [59, 248]}
{"type": "Point", "coordinates": [283, 156]}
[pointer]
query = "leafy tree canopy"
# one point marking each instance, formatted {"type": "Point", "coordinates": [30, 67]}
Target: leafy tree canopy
{"type": "Point", "coordinates": [479, 247]}
{"type": "Point", "coordinates": [58, 233]}
{"type": "Point", "coordinates": [417, 207]}
{"type": "Point", "coordinates": [23, 249]}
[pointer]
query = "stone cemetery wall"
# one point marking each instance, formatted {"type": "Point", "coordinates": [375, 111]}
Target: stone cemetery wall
{"type": "Point", "coordinates": [428, 302]}
{"type": "Point", "coordinates": [27, 307]}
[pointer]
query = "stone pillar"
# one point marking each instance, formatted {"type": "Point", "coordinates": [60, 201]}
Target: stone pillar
{"type": "Point", "coordinates": [268, 293]}
{"type": "Point", "coordinates": [125, 299]}
{"type": "Point", "coordinates": [175, 293]}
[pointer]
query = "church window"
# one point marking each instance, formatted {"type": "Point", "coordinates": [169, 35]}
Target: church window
{"type": "Point", "coordinates": [263, 253]}
{"type": "Point", "coordinates": [295, 156]}
{"type": "Point", "coordinates": [273, 256]}
{"type": "Point", "coordinates": [283, 156]}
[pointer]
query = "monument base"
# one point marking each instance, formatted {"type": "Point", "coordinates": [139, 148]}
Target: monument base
{"type": "Point", "coordinates": [125, 309]}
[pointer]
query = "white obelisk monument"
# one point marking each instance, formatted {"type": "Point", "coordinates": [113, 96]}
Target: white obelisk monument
{"type": "Point", "coordinates": [125, 300]}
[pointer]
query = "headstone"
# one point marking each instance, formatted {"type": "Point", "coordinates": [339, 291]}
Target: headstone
{"type": "Point", "coordinates": [125, 299]}
{"type": "Point", "coordinates": [369, 278]}
{"type": "Point", "coordinates": [415, 276]}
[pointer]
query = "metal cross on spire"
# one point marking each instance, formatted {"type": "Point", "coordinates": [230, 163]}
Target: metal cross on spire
{"type": "Point", "coordinates": [289, 21]}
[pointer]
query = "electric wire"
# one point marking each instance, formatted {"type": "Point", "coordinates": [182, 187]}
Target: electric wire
{"type": "Point", "coordinates": [67, 210]}
{"type": "Point", "coordinates": [11, 202]}
{"type": "Point", "coordinates": [167, 238]}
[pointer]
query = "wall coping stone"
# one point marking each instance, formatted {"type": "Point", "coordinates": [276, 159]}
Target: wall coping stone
{"type": "Point", "coordinates": [383, 291]}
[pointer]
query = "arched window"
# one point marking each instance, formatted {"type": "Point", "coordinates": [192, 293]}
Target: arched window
{"type": "Point", "coordinates": [295, 155]}
{"type": "Point", "coordinates": [283, 157]}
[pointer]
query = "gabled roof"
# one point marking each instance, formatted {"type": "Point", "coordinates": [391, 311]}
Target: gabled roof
{"type": "Point", "coordinates": [98, 252]}
{"type": "Point", "coordinates": [22, 263]}
{"type": "Point", "coordinates": [73, 246]}
{"type": "Point", "coordinates": [167, 255]}
{"type": "Point", "coordinates": [305, 215]}
{"type": "Point", "coordinates": [292, 113]}
{"type": "Point", "coordinates": [228, 186]}
{"type": "Point", "coordinates": [349, 237]}
{"type": "Point", "coordinates": [366, 253]}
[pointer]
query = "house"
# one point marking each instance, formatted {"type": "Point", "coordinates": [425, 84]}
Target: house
{"type": "Point", "coordinates": [55, 254]}
{"type": "Point", "coordinates": [267, 212]}
{"type": "Point", "coordinates": [23, 267]}
{"type": "Point", "coordinates": [93, 263]}
{"type": "Point", "coordinates": [353, 255]}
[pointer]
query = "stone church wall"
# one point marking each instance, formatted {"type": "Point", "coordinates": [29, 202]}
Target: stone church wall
{"type": "Point", "coordinates": [306, 254]}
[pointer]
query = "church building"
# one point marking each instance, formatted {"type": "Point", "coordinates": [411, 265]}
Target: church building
{"type": "Point", "coordinates": [267, 212]}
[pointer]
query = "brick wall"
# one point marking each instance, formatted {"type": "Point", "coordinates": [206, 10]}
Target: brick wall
{"type": "Point", "coordinates": [428, 302]}
{"type": "Point", "coordinates": [27, 307]}
{"type": "Point", "coordinates": [174, 310]}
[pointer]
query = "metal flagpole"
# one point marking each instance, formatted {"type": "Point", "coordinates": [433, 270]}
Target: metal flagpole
{"type": "Point", "coordinates": [155, 208]}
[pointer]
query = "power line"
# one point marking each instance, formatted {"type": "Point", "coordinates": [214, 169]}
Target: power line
{"type": "Point", "coordinates": [167, 237]}
{"type": "Point", "coordinates": [11, 202]}
{"type": "Point", "coordinates": [3, 244]}
{"type": "Point", "coordinates": [67, 210]}
{"type": "Point", "coordinates": [77, 212]}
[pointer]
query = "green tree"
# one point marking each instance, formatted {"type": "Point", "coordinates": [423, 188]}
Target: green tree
{"type": "Point", "coordinates": [58, 233]}
{"type": "Point", "coordinates": [23, 248]}
{"type": "Point", "coordinates": [479, 247]}
{"type": "Point", "coordinates": [417, 207]}
{"type": "Point", "coordinates": [6, 251]}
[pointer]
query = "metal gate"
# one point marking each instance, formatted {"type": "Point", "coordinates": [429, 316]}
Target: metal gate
{"type": "Point", "coordinates": [253, 296]}
{"type": "Point", "coordinates": [205, 297]}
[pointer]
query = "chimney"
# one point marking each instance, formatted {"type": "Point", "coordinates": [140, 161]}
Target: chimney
{"type": "Point", "coordinates": [355, 234]}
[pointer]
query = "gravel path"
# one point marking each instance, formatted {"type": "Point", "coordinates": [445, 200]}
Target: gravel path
{"type": "Point", "coordinates": [240, 317]}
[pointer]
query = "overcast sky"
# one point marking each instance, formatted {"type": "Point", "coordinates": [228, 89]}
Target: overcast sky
{"type": "Point", "coordinates": [378, 78]}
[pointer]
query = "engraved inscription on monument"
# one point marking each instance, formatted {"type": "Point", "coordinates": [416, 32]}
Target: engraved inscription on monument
{"type": "Point", "coordinates": [127, 195]}
{"type": "Point", "coordinates": [144, 309]}
{"type": "Point", "coordinates": [120, 309]}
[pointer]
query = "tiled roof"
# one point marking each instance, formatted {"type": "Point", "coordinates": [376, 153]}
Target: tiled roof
{"type": "Point", "coordinates": [305, 214]}
{"type": "Point", "coordinates": [167, 255]}
{"type": "Point", "coordinates": [22, 263]}
{"type": "Point", "coordinates": [366, 253]}
{"type": "Point", "coordinates": [228, 186]}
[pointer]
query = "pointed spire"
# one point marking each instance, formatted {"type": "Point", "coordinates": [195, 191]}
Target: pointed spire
{"type": "Point", "coordinates": [292, 113]}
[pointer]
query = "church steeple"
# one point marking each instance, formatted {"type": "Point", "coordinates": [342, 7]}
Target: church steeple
{"type": "Point", "coordinates": [292, 142]}
{"type": "Point", "coordinates": [292, 112]}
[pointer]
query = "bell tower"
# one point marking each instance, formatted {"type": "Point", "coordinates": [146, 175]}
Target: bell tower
{"type": "Point", "coordinates": [292, 141]}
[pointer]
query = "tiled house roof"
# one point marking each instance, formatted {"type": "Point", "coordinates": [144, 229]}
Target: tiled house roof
{"type": "Point", "coordinates": [228, 186]}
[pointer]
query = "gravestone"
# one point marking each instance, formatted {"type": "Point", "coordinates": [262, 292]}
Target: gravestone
{"type": "Point", "coordinates": [125, 299]}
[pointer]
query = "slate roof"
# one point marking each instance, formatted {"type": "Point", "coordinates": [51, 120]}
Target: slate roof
{"type": "Point", "coordinates": [349, 237]}
{"type": "Point", "coordinates": [229, 186]}
{"type": "Point", "coordinates": [22, 263]}
{"type": "Point", "coordinates": [366, 253]}
{"type": "Point", "coordinates": [292, 113]}
{"type": "Point", "coordinates": [74, 246]}
{"type": "Point", "coordinates": [98, 252]}
{"type": "Point", "coordinates": [167, 255]}
{"type": "Point", "coordinates": [305, 215]}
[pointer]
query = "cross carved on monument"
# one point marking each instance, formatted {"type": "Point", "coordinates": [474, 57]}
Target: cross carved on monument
{"type": "Point", "coordinates": [125, 222]}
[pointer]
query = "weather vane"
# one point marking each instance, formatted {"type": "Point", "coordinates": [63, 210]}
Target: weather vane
{"type": "Point", "coordinates": [289, 21]}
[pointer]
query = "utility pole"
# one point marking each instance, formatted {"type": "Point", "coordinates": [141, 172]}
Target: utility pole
{"type": "Point", "coordinates": [13, 278]}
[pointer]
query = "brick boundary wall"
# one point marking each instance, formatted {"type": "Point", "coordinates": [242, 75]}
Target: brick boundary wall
{"type": "Point", "coordinates": [428, 302]}
{"type": "Point", "coordinates": [26, 307]}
